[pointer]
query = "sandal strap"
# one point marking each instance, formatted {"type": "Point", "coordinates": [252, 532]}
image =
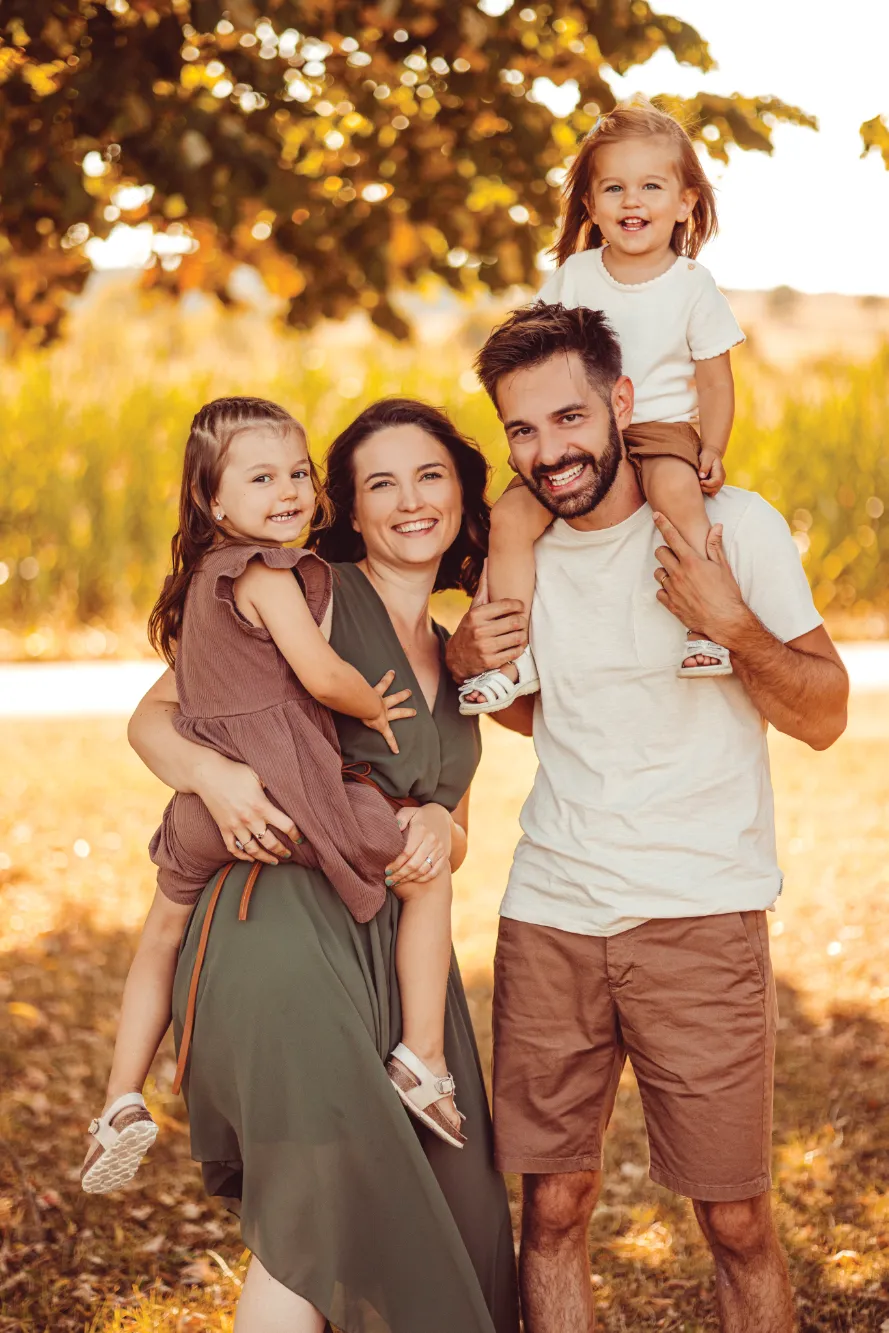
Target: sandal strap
{"type": "Point", "coordinates": [432, 1087]}
{"type": "Point", "coordinates": [101, 1127]}
{"type": "Point", "coordinates": [492, 684]}
{"type": "Point", "coordinates": [705, 648]}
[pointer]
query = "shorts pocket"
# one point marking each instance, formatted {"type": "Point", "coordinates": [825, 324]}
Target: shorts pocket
{"type": "Point", "coordinates": [754, 928]}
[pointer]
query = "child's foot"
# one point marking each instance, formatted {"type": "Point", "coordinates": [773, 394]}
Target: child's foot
{"type": "Point", "coordinates": [704, 658]}
{"type": "Point", "coordinates": [427, 1094]}
{"type": "Point", "coordinates": [123, 1134]}
{"type": "Point", "coordinates": [493, 690]}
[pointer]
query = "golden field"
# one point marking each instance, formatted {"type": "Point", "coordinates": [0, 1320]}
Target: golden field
{"type": "Point", "coordinates": [94, 429]}
{"type": "Point", "coordinates": [76, 811]}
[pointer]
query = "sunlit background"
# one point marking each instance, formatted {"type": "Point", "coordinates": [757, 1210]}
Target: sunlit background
{"type": "Point", "coordinates": [90, 459]}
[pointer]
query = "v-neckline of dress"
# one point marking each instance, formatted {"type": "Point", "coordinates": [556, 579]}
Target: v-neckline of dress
{"type": "Point", "coordinates": [440, 688]}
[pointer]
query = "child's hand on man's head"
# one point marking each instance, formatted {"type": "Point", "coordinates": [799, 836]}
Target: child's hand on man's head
{"type": "Point", "coordinates": [711, 471]}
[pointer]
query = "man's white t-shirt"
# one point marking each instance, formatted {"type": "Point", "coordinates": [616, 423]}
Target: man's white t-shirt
{"type": "Point", "coordinates": [664, 327]}
{"type": "Point", "coordinates": [653, 796]}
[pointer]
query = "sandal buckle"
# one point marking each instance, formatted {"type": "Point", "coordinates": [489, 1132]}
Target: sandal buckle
{"type": "Point", "coordinates": [446, 1087]}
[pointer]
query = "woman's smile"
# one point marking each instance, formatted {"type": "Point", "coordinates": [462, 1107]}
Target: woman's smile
{"type": "Point", "coordinates": [415, 527]}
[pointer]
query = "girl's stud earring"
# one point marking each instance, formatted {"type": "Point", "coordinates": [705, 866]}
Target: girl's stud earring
{"type": "Point", "coordinates": [219, 517]}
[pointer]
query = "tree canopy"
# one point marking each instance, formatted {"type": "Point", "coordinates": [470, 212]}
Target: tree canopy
{"type": "Point", "coordinates": [344, 150]}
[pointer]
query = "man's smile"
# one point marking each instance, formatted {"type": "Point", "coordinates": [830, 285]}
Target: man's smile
{"type": "Point", "coordinates": [559, 481]}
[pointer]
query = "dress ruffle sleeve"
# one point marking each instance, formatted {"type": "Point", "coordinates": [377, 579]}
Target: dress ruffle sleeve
{"type": "Point", "coordinates": [313, 574]}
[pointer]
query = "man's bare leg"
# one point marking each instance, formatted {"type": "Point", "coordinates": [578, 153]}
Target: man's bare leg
{"type": "Point", "coordinates": [554, 1265]}
{"type": "Point", "coordinates": [753, 1289]}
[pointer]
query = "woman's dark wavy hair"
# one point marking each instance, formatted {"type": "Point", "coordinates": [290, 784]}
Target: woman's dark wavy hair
{"type": "Point", "coordinates": [336, 540]}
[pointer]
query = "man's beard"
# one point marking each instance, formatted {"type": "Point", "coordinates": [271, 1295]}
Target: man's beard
{"type": "Point", "coordinates": [599, 478]}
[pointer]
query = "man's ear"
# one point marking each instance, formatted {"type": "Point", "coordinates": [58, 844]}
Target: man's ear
{"type": "Point", "coordinates": [623, 400]}
{"type": "Point", "coordinates": [510, 460]}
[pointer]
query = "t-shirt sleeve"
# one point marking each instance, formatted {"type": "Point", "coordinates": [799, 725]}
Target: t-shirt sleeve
{"type": "Point", "coordinates": [770, 573]}
{"type": "Point", "coordinates": [712, 328]}
{"type": "Point", "coordinates": [553, 290]}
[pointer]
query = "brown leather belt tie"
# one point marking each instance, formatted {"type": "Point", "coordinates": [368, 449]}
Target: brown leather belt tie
{"type": "Point", "coordinates": [357, 772]}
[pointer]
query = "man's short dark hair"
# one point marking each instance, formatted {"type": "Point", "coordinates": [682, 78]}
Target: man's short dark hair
{"type": "Point", "coordinates": [536, 332]}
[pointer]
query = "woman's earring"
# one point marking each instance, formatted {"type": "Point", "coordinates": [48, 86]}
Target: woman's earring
{"type": "Point", "coordinates": [219, 517]}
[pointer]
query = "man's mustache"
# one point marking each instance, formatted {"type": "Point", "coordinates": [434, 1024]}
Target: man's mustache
{"type": "Point", "coordinates": [543, 470]}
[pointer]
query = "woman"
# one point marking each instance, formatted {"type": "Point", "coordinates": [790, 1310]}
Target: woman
{"type": "Point", "coordinates": [353, 1216]}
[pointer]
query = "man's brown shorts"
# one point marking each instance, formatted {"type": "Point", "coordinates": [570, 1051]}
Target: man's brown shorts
{"type": "Point", "coordinates": [690, 1001]}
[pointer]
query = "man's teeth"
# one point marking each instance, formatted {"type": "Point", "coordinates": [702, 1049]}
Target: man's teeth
{"type": "Point", "coordinates": [562, 478]}
{"type": "Point", "coordinates": [419, 525]}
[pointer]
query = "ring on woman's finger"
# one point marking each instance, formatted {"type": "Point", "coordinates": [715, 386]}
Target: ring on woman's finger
{"type": "Point", "coordinates": [430, 860]}
{"type": "Point", "coordinates": [249, 840]}
{"type": "Point", "coordinates": [239, 844]}
{"type": "Point", "coordinates": [261, 835]}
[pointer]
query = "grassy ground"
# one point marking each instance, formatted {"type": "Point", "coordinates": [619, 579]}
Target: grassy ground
{"type": "Point", "coordinates": [76, 810]}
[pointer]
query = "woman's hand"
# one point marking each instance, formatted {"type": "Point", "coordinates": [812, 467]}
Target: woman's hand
{"type": "Point", "coordinates": [427, 847]}
{"type": "Point", "coordinates": [234, 795]}
{"type": "Point", "coordinates": [389, 710]}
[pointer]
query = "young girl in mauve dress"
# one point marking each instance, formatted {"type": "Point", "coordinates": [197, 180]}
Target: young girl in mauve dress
{"type": "Point", "coordinates": [638, 209]}
{"type": "Point", "coordinates": [244, 620]}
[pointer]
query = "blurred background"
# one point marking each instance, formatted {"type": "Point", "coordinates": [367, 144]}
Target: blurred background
{"type": "Point", "coordinates": [323, 203]}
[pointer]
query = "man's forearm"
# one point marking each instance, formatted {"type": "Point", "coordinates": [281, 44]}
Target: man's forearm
{"type": "Point", "coordinates": [800, 693]}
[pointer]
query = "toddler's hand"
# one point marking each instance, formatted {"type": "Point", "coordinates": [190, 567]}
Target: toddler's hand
{"type": "Point", "coordinates": [711, 471]}
{"type": "Point", "coordinates": [389, 711]}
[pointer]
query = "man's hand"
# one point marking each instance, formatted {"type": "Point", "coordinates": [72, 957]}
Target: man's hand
{"type": "Point", "coordinates": [702, 594]}
{"type": "Point", "coordinates": [489, 635]}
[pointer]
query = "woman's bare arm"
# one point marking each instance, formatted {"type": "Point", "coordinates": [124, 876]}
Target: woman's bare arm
{"type": "Point", "coordinates": [232, 792]}
{"type": "Point", "coordinates": [460, 832]}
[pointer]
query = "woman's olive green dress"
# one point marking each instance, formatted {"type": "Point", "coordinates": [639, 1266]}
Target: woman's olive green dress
{"type": "Point", "coordinates": [342, 1196]}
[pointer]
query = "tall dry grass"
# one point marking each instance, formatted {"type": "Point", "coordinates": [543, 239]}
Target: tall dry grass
{"type": "Point", "coordinates": [93, 433]}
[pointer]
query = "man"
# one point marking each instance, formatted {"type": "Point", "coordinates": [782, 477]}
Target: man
{"type": "Point", "coordinates": [634, 919]}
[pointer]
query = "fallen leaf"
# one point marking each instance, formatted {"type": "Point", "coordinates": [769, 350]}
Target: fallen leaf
{"type": "Point", "coordinates": [29, 1013]}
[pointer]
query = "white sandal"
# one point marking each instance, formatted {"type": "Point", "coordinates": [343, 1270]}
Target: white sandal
{"type": "Point", "coordinates": [420, 1089]}
{"type": "Point", "coordinates": [498, 690]}
{"type": "Point", "coordinates": [706, 648]}
{"type": "Point", "coordinates": [118, 1151]}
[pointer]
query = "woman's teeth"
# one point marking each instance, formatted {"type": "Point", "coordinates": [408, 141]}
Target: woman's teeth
{"type": "Point", "coordinates": [558, 479]}
{"type": "Point", "coordinates": [417, 525]}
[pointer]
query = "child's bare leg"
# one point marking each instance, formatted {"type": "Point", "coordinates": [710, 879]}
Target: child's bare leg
{"type": "Point", "coordinates": [147, 998]}
{"type": "Point", "coordinates": [267, 1306]}
{"type": "Point", "coordinates": [673, 488]}
{"type": "Point", "coordinates": [125, 1131]}
{"type": "Point", "coordinates": [517, 520]}
{"type": "Point", "coordinates": [422, 964]}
